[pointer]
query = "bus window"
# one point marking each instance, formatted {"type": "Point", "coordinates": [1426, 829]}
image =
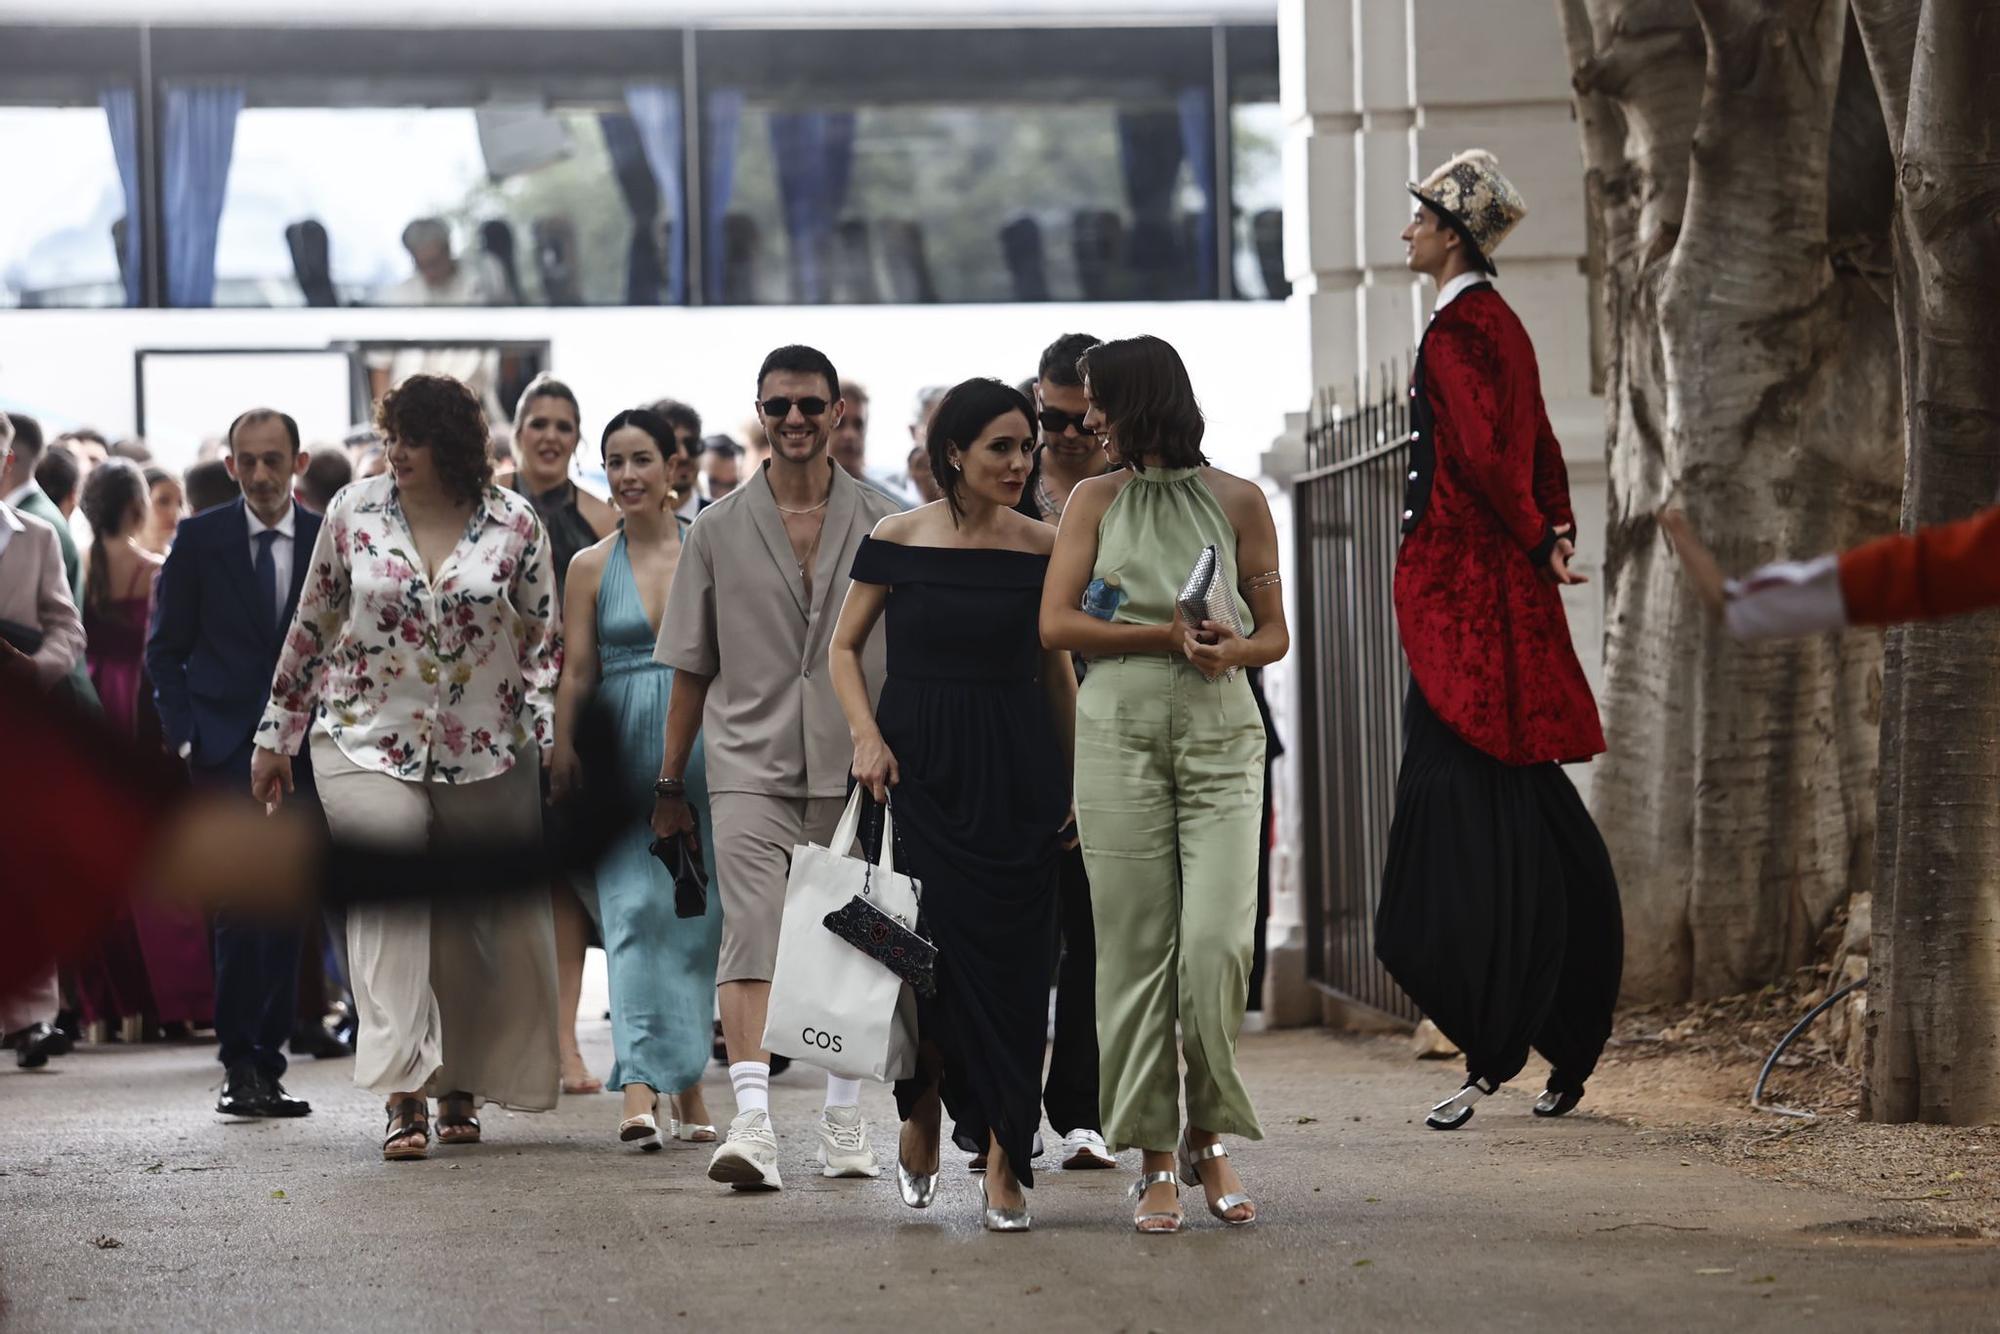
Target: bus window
{"type": "Point", "coordinates": [960, 165]}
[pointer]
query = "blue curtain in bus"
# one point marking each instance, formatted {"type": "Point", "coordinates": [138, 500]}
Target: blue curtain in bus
{"type": "Point", "coordinates": [121, 117]}
{"type": "Point", "coordinates": [1198, 140]}
{"type": "Point", "coordinates": [200, 134]}
{"type": "Point", "coordinates": [1152, 145]}
{"type": "Point", "coordinates": [656, 113]}
{"type": "Point", "coordinates": [645, 274]}
{"type": "Point", "coordinates": [722, 117]}
{"type": "Point", "coordinates": [815, 155]}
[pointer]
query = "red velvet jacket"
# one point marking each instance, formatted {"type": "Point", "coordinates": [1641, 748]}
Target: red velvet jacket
{"type": "Point", "coordinates": [1481, 621]}
{"type": "Point", "coordinates": [1939, 571]}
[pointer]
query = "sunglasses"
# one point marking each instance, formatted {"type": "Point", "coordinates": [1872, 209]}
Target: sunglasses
{"type": "Point", "coordinates": [781, 407]}
{"type": "Point", "coordinates": [1055, 422]}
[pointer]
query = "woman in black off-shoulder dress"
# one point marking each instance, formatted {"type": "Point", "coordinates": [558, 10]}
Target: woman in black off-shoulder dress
{"type": "Point", "coordinates": [971, 740]}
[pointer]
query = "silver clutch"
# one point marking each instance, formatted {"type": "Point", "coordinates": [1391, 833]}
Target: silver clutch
{"type": "Point", "coordinates": [1206, 597]}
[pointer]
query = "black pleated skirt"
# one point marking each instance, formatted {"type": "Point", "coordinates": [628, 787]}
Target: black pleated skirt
{"type": "Point", "coordinates": [1499, 912]}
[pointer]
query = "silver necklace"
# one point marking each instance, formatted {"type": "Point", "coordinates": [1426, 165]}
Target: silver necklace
{"type": "Point", "coordinates": [810, 509]}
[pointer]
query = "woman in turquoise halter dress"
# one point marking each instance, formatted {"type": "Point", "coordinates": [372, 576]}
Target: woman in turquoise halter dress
{"type": "Point", "coordinates": [661, 966]}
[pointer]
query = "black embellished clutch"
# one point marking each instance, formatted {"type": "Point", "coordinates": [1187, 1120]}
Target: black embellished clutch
{"type": "Point", "coordinates": [887, 941]}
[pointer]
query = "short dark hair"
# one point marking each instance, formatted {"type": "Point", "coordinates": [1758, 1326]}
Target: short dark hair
{"type": "Point", "coordinates": [209, 484]}
{"type": "Point", "coordinates": [327, 470]}
{"type": "Point", "coordinates": [1142, 388]}
{"type": "Point", "coordinates": [255, 415]}
{"type": "Point", "coordinates": [803, 360]}
{"type": "Point", "coordinates": [682, 418]}
{"type": "Point", "coordinates": [1058, 364]}
{"type": "Point", "coordinates": [968, 408]}
{"type": "Point", "coordinates": [132, 449]}
{"type": "Point", "coordinates": [545, 386]}
{"type": "Point", "coordinates": [1450, 220]}
{"type": "Point", "coordinates": [653, 423]}
{"type": "Point", "coordinates": [28, 441]}
{"type": "Point", "coordinates": [58, 473]}
{"type": "Point", "coordinates": [439, 412]}
{"type": "Point", "coordinates": [155, 474]}
{"type": "Point", "coordinates": [722, 447]}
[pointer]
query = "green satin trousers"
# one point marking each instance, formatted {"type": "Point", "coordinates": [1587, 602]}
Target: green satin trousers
{"type": "Point", "coordinates": [1170, 803]}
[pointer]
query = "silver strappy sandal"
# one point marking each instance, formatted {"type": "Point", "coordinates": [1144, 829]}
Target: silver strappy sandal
{"type": "Point", "coordinates": [1190, 1161]}
{"type": "Point", "coordinates": [1146, 1181]}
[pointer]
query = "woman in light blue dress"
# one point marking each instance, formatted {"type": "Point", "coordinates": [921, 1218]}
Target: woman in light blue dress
{"type": "Point", "coordinates": [662, 967]}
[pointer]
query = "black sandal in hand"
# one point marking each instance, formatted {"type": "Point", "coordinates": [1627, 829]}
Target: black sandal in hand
{"type": "Point", "coordinates": [455, 1121]}
{"type": "Point", "coordinates": [409, 1131]}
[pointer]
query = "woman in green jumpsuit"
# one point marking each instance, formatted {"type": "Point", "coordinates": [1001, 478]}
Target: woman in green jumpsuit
{"type": "Point", "coordinates": [1169, 770]}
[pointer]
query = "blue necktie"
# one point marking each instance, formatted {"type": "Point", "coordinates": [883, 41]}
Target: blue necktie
{"type": "Point", "coordinates": [267, 576]}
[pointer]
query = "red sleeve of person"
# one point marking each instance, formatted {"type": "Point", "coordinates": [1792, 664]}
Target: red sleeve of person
{"type": "Point", "coordinates": [1939, 571]}
{"type": "Point", "coordinates": [79, 811]}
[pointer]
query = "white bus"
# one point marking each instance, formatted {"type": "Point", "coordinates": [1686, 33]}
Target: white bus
{"type": "Point", "coordinates": [219, 204]}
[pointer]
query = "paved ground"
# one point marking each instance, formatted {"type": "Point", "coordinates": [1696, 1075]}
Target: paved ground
{"type": "Point", "coordinates": [1369, 1222]}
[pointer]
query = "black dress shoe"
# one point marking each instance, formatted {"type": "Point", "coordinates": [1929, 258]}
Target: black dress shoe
{"type": "Point", "coordinates": [277, 1102]}
{"type": "Point", "coordinates": [34, 1045]}
{"type": "Point", "coordinates": [244, 1092]}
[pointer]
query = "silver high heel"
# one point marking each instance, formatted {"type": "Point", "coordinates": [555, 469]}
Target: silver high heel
{"type": "Point", "coordinates": [1146, 1181]}
{"type": "Point", "coordinates": [1456, 1110]}
{"type": "Point", "coordinates": [1001, 1220]}
{"type": "Point", "coordinates": [919, 1188]}
{"type": "Point", "coordinates": [1190, 1161]}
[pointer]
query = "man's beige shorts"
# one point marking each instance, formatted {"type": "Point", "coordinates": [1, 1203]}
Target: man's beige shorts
{"type": "Point", "coordinates": [754, 838]}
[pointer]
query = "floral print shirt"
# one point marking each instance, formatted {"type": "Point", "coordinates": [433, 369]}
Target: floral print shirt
{"type": "Point", "coordinates": [431, 680]}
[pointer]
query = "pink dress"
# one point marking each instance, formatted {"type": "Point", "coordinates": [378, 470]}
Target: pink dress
{"type": "Point", "coordinates": [155, 961]}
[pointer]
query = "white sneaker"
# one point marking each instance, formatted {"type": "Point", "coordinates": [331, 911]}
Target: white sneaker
{"type": "Point", "coordinates": [843, 1144]}
{"type": "Point", "coordinates": [1085, 1149]}
{"type": "Point", "coordinates": [748, 1159]}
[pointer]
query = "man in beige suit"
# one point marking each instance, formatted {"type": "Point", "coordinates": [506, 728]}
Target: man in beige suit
{"type": "Point", "coordinates": [754, 600]}
{"type": "Point", "coordinates": [41, 640]}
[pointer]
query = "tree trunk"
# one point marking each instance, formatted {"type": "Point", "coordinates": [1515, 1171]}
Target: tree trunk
{"type": "Point", "coordinates": [1751, 381]}
{"type": "Point", "coordinates": [1934, 990]}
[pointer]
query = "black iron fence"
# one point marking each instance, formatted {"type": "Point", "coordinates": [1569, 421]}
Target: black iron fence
{"type": "Point", "coordinates": [1346, 511]}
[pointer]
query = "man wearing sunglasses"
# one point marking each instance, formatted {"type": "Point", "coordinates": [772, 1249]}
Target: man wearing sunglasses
{"type": "Point", "coordinates": [1069, 454]}
{"type": "Point", "coordinates": [760, 583]}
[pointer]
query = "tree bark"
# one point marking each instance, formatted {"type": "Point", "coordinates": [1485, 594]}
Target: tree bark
{"type": "Point", "coordinates": [1749, 381]}
{"type": "Point", "coordinates": [1934, 990]}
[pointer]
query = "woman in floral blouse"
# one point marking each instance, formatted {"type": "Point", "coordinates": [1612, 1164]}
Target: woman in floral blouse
{"type": "Point", "coordinates": [423, 662]}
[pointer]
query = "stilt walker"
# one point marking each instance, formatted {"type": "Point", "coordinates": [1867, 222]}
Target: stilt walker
{"type": "Point", "coordinates": [1499, 912]}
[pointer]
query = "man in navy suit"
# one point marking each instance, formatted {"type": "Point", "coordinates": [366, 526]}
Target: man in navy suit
{"type": "Point", "coordinates": [221, 608]}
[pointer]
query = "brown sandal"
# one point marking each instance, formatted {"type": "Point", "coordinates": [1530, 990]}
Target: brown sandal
{"type": "Point", "coordinates": [408, 1119]}
{"type": "Point", "coordinates": [455, 1126]}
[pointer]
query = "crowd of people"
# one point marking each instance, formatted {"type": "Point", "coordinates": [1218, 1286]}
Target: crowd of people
{"type": "Point", "coordinates": [405, 635]}
{"type": "Point", "coordinates": [400, 635]}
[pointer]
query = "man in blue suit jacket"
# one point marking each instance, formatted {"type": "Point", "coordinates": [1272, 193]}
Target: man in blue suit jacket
{"type": "Point", "coordinates": [221, 608]}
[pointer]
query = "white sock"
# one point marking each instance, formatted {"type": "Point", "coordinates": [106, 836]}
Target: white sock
{"type": "Point", "coordinates": [842, 1092]}
{"type": "Point", "coordinates": [752, 1082]}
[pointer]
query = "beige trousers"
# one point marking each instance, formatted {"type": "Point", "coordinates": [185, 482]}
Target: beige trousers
{"type": "Point", "coordinates": [754, 838]}
{"type": "Point", "coordinates": [458, 995]}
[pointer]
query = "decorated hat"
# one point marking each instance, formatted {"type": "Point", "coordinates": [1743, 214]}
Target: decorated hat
{"type": "Point", "coordinates": [1481, 205]}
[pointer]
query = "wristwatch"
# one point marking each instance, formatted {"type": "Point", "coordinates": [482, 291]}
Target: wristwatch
{"type": "Point", "coordinates": [669, 787]}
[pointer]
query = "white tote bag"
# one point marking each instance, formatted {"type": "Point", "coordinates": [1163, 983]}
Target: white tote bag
{"type": "Point", "coordinates": [831, 1005]}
